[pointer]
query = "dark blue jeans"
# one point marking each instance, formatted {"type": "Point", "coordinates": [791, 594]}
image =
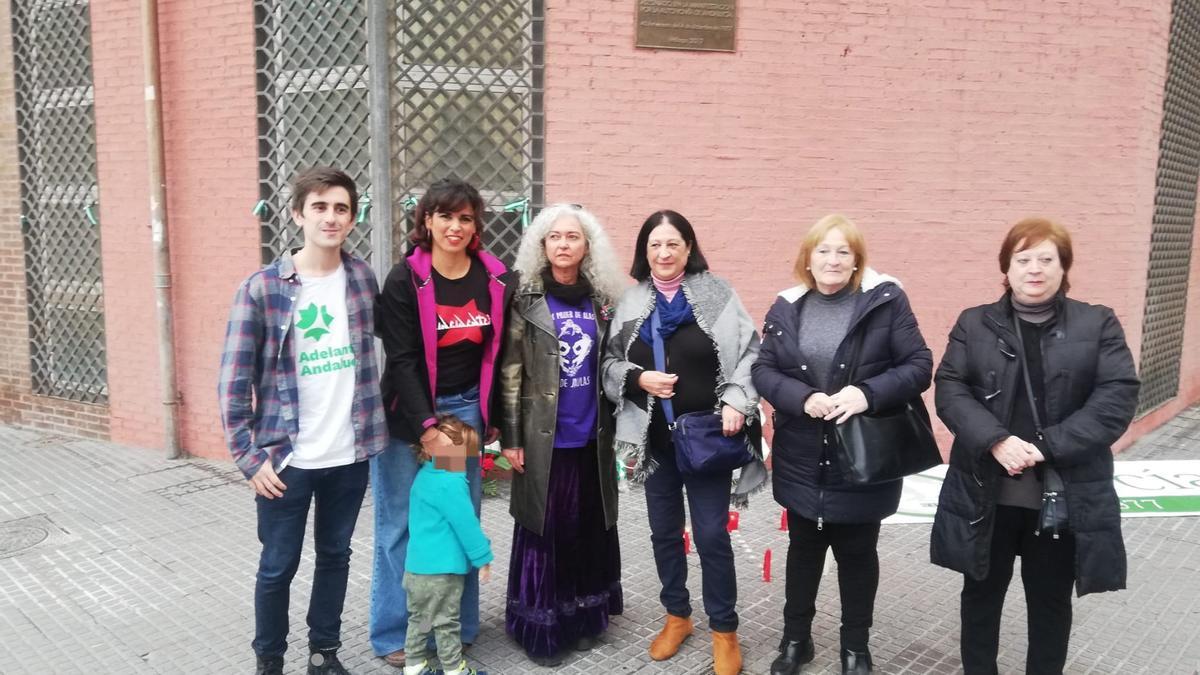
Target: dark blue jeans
{"type": "Point", "coordinates": [708, 502]}
{"type": "Point", "coordinates": [338, 493]}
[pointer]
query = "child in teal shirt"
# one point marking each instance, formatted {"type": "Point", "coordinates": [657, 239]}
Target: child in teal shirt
{"type": "Point", "coordinates": [445, 542]}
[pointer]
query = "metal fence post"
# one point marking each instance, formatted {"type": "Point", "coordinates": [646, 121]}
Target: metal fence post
{"type": "Point", "coordinates": [379, 32]}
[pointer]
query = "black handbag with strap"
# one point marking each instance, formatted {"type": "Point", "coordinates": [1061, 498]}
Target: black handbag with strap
{"type": "Point", "coordinates": [885, 445]}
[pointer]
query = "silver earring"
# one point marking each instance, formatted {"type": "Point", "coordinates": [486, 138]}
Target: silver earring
{"type": "Point", "coordinates": [855, 269]}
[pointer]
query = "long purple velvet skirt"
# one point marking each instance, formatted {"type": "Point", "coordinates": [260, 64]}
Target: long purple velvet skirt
{"type": "Point", "coordinates": [564, 584]}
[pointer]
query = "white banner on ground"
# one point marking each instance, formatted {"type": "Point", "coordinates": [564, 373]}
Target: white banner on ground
{"type": "Point", "coordinates": [1146, 488]}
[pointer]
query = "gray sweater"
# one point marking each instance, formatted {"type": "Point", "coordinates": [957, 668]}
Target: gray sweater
{"type": "Point", "coordinates": [824, 320]}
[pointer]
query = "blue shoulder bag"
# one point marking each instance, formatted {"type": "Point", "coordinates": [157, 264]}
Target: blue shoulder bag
{"type": "Point", "coordinates": [701, 446]}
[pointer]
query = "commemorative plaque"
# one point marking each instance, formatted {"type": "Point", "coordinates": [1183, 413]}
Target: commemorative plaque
{"type": "Point", "coordinates": [703, 25]}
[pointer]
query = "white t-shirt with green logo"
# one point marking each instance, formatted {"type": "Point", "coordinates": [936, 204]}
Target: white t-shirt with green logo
{"type": "Point", "coordinates": [325, 367]}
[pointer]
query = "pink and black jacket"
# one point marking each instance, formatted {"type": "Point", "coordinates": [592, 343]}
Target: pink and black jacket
{"type": "Point", "coordinates": [406, 321]}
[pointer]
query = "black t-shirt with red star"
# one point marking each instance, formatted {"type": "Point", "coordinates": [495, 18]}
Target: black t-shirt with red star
{"type": "Point", "coordinates": [464, 326]}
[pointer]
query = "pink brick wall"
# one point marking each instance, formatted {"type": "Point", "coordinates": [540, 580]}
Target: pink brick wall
{"type": "Point", "coordinates": [935, 125]}
{"type": "Point", "coordinates": [212, 150]}
{"type": "Point", "coordinates": [207, 63]}
{"type": "Point", "coordinates": [125, 223]}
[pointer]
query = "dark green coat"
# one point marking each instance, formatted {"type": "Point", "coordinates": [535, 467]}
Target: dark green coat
{"type": "Point", "coordinates": [529, 376]}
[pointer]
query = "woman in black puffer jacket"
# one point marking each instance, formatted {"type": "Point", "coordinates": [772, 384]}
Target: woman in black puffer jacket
{"type": "Point", "coordinates": [804, 370]}
{"type": "Point", "coordinates": [1084, 396]}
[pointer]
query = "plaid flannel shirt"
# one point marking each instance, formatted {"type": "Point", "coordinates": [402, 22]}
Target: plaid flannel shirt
{"type": "Point", "coordinates": [258, 391]}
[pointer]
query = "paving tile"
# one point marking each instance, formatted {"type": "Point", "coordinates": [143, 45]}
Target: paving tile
{"type": "Point", "coordinates": [150, 569]}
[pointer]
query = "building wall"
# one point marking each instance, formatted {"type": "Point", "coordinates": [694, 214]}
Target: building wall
{"type": "Point", "coordinates": [212, 185]}
{"type": "Point", "coordinates": [18, 404]}
{"type": "Point", "coordinates": [934, 125]}
{"type": "Point", "coordinates": [125, 246]}
{"type": "Point", "coordinates": [208, 108]}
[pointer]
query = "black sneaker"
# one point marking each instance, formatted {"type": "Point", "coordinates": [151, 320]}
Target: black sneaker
{"type": "Point", "coordinates": [325, 663]}
{"type": "Point", "coordinates": [270, 665]}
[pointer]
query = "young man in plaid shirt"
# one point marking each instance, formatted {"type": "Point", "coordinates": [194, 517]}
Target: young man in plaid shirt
{"type": "Point", "coordinates": [300, 404]}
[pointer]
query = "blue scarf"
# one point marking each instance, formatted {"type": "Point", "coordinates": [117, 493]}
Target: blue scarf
{"type": "Point", "coordinates": [671, 315]}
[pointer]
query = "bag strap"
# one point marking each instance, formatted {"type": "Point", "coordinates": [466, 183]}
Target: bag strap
{"type": "Point", "coordinates": [1037, 420]}
{"type": "Point", "coordinates": [660, 364]}
{"type": "Point", "coordinates": [1050, 475]}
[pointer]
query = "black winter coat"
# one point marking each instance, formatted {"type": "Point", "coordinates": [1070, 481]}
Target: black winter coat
{"type": "Point", "coordinates": [1091, 391]}
{"type": "Point", "coordinates": [894, 367]}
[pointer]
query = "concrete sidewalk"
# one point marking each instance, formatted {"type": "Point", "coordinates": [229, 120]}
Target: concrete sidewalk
{"type": "Point", "coordinates": [115, 561]}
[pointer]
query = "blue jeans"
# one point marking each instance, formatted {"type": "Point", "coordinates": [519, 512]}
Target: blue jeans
{"type": "Point", "coordinates": [708, 501]}
{"type": "Point", "coordinates": [338, 492]}
{"type": "Point", "coordinates": [392, 474]}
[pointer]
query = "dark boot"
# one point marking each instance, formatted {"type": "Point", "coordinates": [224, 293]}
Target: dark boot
{"type": "Point", "coordinates": [325, 662]}
{"type": "Point", "coordinates": [856, 663]}
{"type": "Point", "coordinates": [270, 665]}
{"type": "Point", "coordinates": [792, 655]}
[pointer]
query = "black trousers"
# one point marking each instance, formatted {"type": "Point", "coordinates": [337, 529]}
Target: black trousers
{"type": "Point", "coordinates": [1048, 574]}
{"type": "Point", "coordinates": [855, 549]}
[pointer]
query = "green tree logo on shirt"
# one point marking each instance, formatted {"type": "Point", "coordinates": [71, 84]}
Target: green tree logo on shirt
{"type": "Point", "coordinates": [309, 316]}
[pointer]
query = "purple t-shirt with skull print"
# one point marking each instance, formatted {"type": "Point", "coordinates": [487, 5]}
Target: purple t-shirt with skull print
{"type": "Point", "coordinates": [576, 328]}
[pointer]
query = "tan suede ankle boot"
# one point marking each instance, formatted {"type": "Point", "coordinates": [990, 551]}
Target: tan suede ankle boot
{"type": "Point", "coordinates": [676, 630]}
{"type": "Point", "coordinates": [727, 655]}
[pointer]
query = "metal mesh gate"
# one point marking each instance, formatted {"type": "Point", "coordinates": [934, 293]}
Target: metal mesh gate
{"type": "Point", "coordinates": [461, 95]}
{"type": "Point", "coordinates": [467, 102]}
{"type": "Point", "coordinates": [1174, 212]}
{"type": "Point", "coordinates": [312, 106]}
{"type": "Point", "coordinates": [56, 140]}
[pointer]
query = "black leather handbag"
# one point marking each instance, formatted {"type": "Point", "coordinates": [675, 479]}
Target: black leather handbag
{"type": "Point", "coordinates": [1053, 518]}
{"type": "Point", "coordinates": [887, 446]}
{"type": "Point", "coordinates": [701, 446]}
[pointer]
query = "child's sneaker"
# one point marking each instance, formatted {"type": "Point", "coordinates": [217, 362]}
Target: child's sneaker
{"type": "Point", "coordinates": [422, 668]}
{"type": "Point", "coordinates": [464, 670]}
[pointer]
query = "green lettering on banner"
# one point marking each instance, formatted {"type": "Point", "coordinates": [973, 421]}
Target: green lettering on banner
{"type": "Point", "coordinates": [1163, 504]}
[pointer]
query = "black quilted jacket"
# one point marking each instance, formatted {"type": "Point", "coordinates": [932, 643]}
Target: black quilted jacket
{"type": "Point", "coordinates": [1091, 391]}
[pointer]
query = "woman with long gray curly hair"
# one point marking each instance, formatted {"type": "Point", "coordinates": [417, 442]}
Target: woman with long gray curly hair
{"type": "Point", "coordinates": [565, 572]}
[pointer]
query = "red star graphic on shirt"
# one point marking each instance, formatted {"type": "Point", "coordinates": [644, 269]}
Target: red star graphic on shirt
{"type": "Point", "coordinates": [461, 323]}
